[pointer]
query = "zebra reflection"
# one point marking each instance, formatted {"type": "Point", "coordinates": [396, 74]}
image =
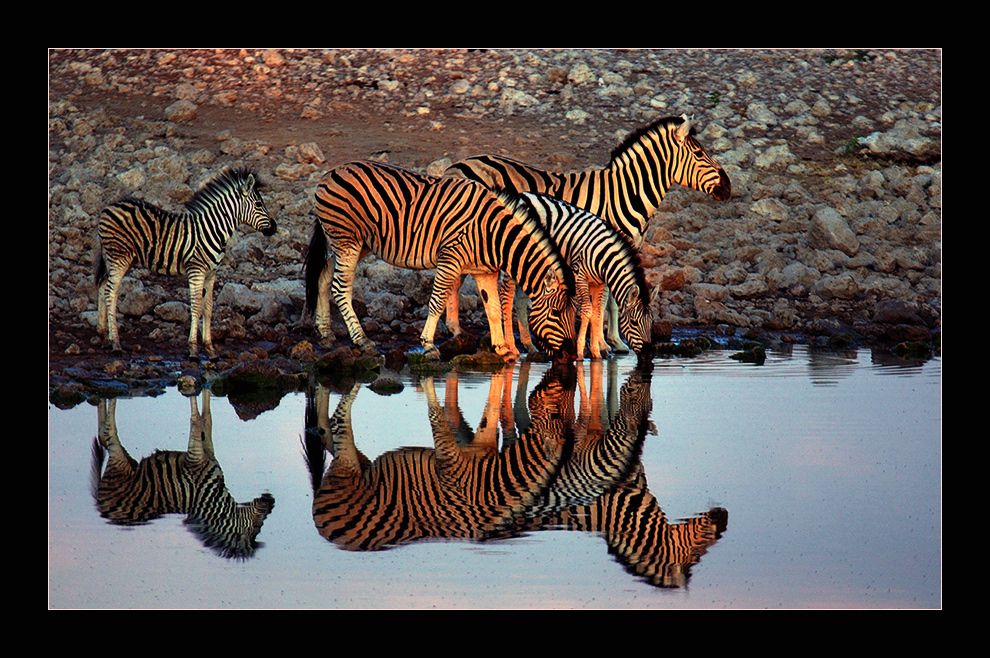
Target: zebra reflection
{"type": "Point", "coordinates": [602, 487]}
{"type": "Point", "coordinates": [465, 487]}
{"type": "Point", "coordinates": [130, 492]}
{"type": "Point", "coordinates": [557, 469]}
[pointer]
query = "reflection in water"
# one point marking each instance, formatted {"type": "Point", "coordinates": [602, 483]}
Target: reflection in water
{"type": "Point", "coordinates": [555, 470]}
{"type": "Point", "coordinates": [129, 492]}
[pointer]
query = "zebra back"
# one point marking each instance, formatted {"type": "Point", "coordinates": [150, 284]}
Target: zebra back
{"type": "Point", "coordinates": [408, 219]}
{"type": "Point", "coordinates": [627, 191]}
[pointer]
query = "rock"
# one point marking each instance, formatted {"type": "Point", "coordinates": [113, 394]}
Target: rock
{"type": "Point", "coordinates": [181, 110]}
{"type": "Point", "coordinates": [828, 230]}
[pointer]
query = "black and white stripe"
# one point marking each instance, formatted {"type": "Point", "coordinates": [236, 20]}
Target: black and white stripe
{"type": "Point", "coordinates": [135, 232]}
{"type": "Point", "coordinates": [599, 256]}
{"type": "Point", "coordinates": [469, 490]}
{"type": "Point", "coordinates": [422, 222]}
{"type": "Point", "coordinates": [628, 190]}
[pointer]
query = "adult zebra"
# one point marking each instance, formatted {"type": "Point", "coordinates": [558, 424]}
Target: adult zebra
{"type": "Point", "coordinates": [191, 242]}
{"type": "Point", "coordinates": [130, 492]}
{"type": "Point", "coordinates": [599, 256]}
{"type": "Point", "coordinates": [627, 191]}
{"type": "Point", "coordinates": [423, 222]}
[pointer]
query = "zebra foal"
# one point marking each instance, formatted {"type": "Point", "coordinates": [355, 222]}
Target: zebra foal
{"type": "Point", "coordinates": [599, 256]}
{"type": "Point", "coordinates": [626, 192]}
{"type": "Point", "coordinates": [192, 242]}
{"type": "Point", "coordinates": [423, 222]}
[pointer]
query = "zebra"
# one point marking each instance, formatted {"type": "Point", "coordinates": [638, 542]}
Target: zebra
{"type": "Point", "coordinates": [464, 489]}
{"type": "Point", "coordinates": [626, 192]}
{"type": "Point", "coordinates": [191, 242]}
{"type": "Point", "coordinates": [599, 256]}
{"type": "Point", "coordinates": [417, 221]}
{"type": "Point", "coordinates": [190, 482]}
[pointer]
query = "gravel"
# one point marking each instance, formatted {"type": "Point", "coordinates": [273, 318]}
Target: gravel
{"type": "Point", "coordinates": [834, 227]}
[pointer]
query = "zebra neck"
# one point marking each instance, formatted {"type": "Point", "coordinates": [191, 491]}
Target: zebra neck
{"type": "Point", "coordinates": [636, 190]}
{"type": "Point", "coordinates": [212, 232]}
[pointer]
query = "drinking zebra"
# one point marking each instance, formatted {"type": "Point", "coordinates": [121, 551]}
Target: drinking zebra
{"type": "Point", "coordinates": [424, 222]}
{"type": "Point", "coordinates": [626, 192]}
{"type": "Point", "coordinates": [192, 242]}
{"type": "Point", "coordinates": [599, 256]}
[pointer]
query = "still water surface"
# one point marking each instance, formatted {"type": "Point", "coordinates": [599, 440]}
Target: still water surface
{"type": "Point", "coordinates": [812, 481]}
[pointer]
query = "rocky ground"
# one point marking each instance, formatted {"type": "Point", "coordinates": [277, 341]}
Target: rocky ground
{"type": "Point", "coordinates": [833, 233]}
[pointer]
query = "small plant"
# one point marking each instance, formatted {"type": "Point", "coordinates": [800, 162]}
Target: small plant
{"type": "Point", "coordinates": [714, 98]}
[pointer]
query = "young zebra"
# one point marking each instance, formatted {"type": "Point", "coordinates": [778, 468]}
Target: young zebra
{"type": "Point", "coordinates": [599, 256]}
{"type": "Point", "coordinates": [423, 222]}
{"type": "Point", "coordinates": [192, 242]}
{"type": "Point", "coordinates": [627, 191]}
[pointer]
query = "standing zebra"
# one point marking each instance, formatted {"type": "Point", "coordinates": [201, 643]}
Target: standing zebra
{"type": "Point", "coordinates": [422, 222]}
{"type": "Point", "coordinates": [627, 191]}
{"type": "Point", "coordinates": [599, 256]}
{"type": "Point", "coordinates": [190, 242]}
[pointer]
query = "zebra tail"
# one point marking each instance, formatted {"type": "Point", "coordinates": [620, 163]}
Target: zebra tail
{"type": "Point", "coordinates": [96, 467]}
{"type": "Point", "coordinates": [100, 267]}
{"type": "Point", "coordinates": [316, 260]}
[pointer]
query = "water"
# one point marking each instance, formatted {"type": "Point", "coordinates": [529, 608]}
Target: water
{"type": "Point", "coordinates": [827, 465]}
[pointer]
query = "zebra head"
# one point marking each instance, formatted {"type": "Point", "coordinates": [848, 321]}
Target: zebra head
{"type": "Point", "coordinates": [255, 213]}
{"type": "Point", "coordinates": [552, 319]}
{"type": "Point", "coordinates": [635, 322]}
{"type": "Point", "coordinates": [693, 167]}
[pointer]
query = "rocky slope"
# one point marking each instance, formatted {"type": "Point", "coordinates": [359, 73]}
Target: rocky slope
{"type": "Point", "coordinates": [834, 228]}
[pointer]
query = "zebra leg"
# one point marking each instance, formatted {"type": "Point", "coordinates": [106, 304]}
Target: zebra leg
{"type": "Point", "coordinates": [208, 314]}
{"type": "Point", "coordinates": [453, 321]}
{"type": "Point", "coordinates": [107, 303]}
{"type": "Point", "coordinates": [342, 289]}
{"type": "Point", "coordinates": [444, 281]}
{"type": "Point", "coordinates": [582, 299]}
{"type": "Point", "coordinates": [119, 463]}
{"type": "Point", "coordinates": [201, 428]}
{"type": "Point", "coordinates": [521, 307]}
{"type": "Point", "coordinates": [506, 296]}
{"type": "Point", "coordinates": [614, 339]}
{"type": "Point", "coordinates": [599, 346]}
{"type": "Point", "coordinates": [322, 319]}
{"type": "Point", "coordinates": [197, 280]}
{"type": "Point", "coordinates": [488, 285]}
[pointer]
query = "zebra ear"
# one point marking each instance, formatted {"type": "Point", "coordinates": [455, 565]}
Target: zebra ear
{"type": "Point", "coordinates": [248, 186]}
{"type": "Point", "coordinates": [684, 129]}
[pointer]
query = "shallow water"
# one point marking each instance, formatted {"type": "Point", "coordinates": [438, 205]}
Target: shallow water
{"type": "Point", "coordinates": [822, 473]}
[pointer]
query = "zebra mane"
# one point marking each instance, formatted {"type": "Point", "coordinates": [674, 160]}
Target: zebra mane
{"type": "Point", "coordinates": [638, 134]}
{"type": "Point", "coordinates": [520, 207]}
{"type": "Point", "coordinates": [230, 180]}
